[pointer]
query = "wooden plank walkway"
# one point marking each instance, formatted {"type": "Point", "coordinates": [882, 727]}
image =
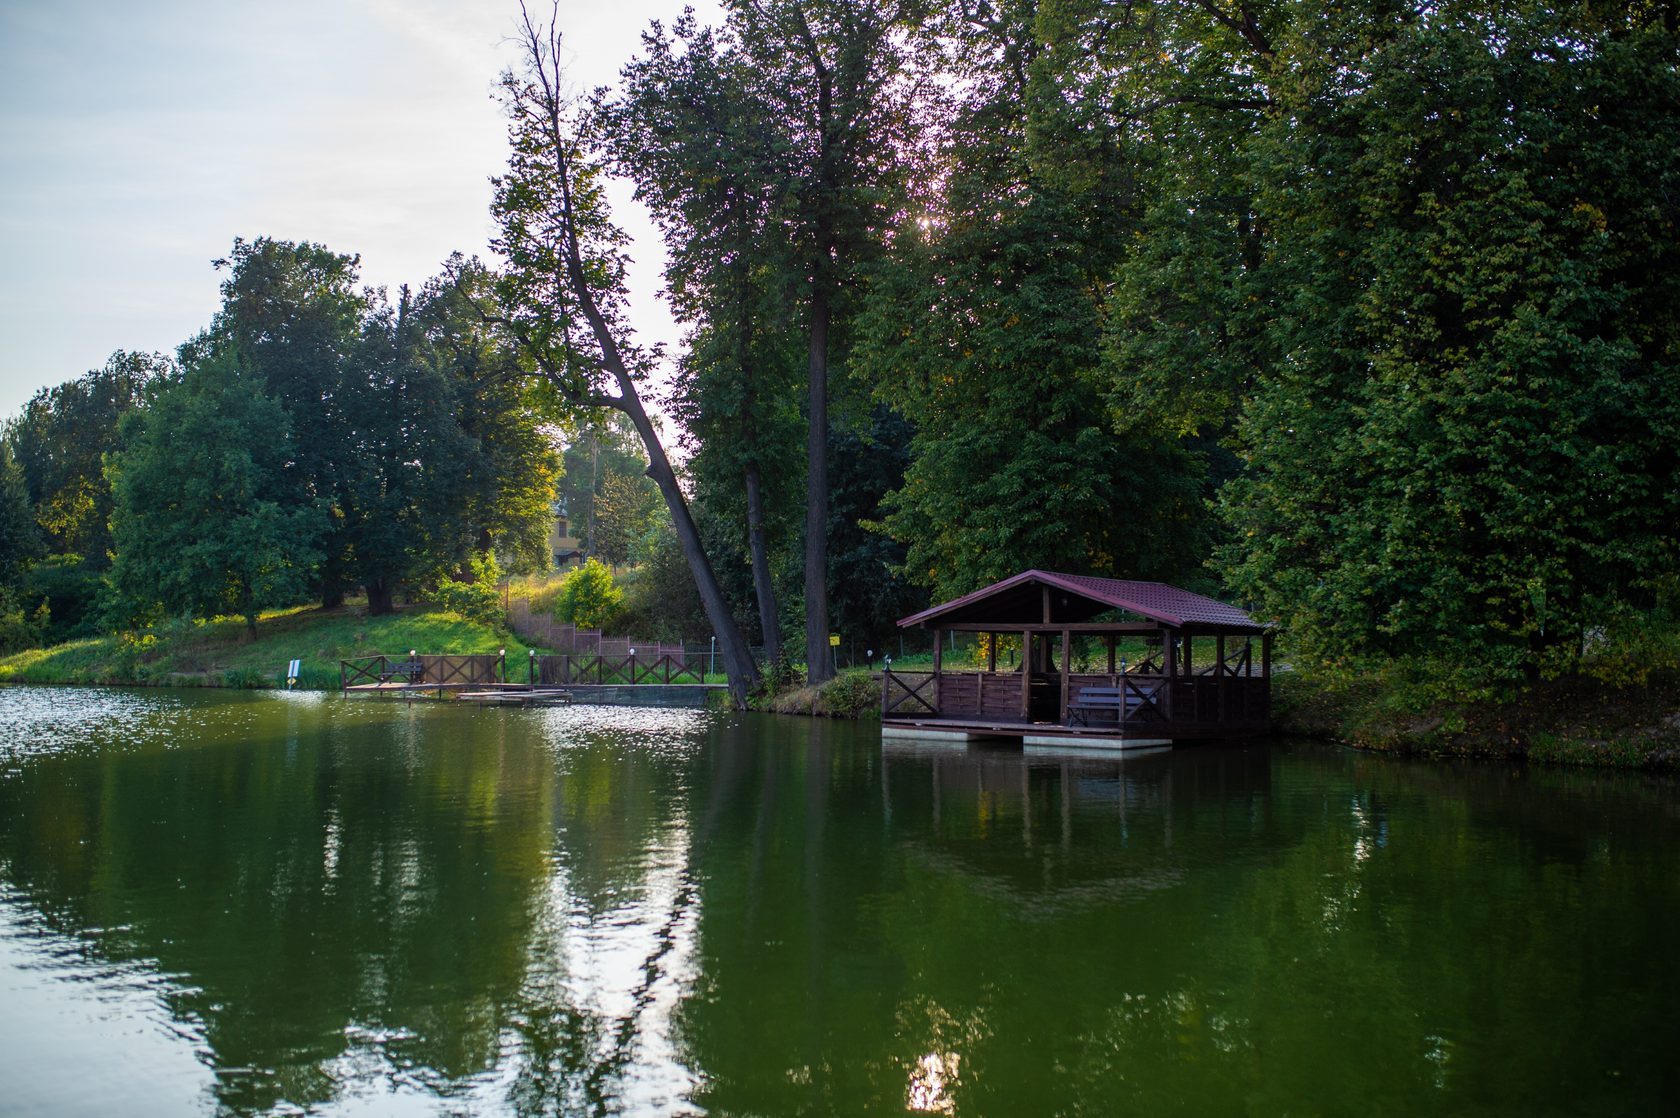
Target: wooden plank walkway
{"type": "Point", "coordinates": [523, 697]}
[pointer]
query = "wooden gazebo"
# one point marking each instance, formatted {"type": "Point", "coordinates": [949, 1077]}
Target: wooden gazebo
{"type": "Point", "coordinates": [1204, 670]}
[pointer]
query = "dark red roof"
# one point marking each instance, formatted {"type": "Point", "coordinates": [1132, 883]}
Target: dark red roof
{"type": "Point", "coordinates": [1074, 598]}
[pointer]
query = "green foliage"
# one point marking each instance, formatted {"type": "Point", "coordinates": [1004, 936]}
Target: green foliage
{"type": "Point", "coordinates": [20, 627]}
{"type": "Point", "coordinates": [59, 442]}
{"type": "Point", "coordinates": [1464, 453]}
{"type": "Point", "coordinates": [852, 694]}
{"type": "Point", "coordinates": [588, 597]}
{"type": "Point", "coordinates": [660, 601]}
{"type": "Point", "coordinates": [20, 543]}
{"type": "Point", "coordinates": [209, 516]}
{"type": "Point", "coordinates": [73, 592]}
{"type": "Point", "coordinates": [478, 599]}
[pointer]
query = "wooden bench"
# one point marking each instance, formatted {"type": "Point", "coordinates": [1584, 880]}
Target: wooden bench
{"type": "Point", "coordinates": [408, 671]}
{"type": "Point", "coordinates": [1118, 703]}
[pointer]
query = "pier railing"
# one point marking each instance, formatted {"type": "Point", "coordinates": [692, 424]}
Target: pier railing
{"type": "Point", "coordinates": [422, 671]}
{"type": "Point", "coordinates": [565, 668]}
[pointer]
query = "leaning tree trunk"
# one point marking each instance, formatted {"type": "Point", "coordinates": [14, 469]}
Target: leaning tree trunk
{"type": "Point", "coordinates": [545, 111]}
{"type": "Point", "coordinates": [737, 658]}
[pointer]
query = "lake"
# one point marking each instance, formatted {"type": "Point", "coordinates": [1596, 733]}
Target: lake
{"type": "Point", "coordinates": [258, 903]}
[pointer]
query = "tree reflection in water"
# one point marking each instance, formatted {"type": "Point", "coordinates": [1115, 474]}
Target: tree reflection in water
{"type": "Point", "coordinates": [347, 906]}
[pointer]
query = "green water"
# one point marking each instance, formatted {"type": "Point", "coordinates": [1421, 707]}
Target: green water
{"type": "Point", "coordinates": [262, 904]}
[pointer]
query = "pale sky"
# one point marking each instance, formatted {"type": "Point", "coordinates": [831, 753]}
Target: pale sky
{"type": "Point", "coordinates": [138, 139]}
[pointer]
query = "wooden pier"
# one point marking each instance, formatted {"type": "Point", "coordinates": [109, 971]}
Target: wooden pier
{"type": "Point", "coordinates": [663, 681]}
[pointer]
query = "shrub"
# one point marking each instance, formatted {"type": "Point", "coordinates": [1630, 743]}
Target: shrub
{"type": "Point", "coordinates": [852, 694]}
{"type": "Point", "coordinates": [20, 627]}
{"type": "Point", "coordinates": [478, 600]}
{"type": "Point", "coordinates": [588, 598]}
{"type": "Point", "coordinates": [72, 592]}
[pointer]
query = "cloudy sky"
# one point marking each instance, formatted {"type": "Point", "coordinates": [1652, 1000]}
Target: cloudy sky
{"type": "Point", "coordinates": [138, 139]}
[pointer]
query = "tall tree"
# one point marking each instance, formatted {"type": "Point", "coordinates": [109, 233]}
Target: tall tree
{"type": "Point", "coordinates": [510, 471]}
{"type": "Point", "coordinates": [294, 313]}
{"type": "Point", "coordinates": [984, 322]}
{"type": "Point", "coordinates": [20, 543]}
{"type": "Point", "coordinates": [710, 161]}
{"type": "Point", "coordinates": [207, 519]}
{"type": "Point", "coordinates": [564, 291]}
{"type": "Point", "coordinates": [841, 77]}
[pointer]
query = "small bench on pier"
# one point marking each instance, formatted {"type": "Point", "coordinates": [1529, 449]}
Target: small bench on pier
{"type": "Point", "coordinates": [1113, 704]}
{"type": "Point", "coordinates": [409, 671]}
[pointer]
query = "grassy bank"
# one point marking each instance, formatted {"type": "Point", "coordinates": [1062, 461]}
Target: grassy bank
{"type": "Point", "coordinates": [855, 693]}
{"type": "Point", "coordinates": [221, 653]}
{"type": "Point", "coordinates": [1571, 722]}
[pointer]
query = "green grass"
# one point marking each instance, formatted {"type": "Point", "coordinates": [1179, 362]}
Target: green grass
{"type": "Point", "coordinates": [220, 653]}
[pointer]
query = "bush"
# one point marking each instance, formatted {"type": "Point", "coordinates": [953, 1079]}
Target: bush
{"type": "Point", "coordinates": [852, 694]}
{"type": "Point", "coordinates": [72, 592]}
{"type": "Point", "coordinates": [588, 598]}
{"type": "Point", "coordinates": [20, 627]}
{"type": "Point", "coordinates": [479, 600]}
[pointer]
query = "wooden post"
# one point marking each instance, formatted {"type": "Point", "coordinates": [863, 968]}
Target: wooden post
{"type": "Point", "coordinates": [1110, 642]}
{"type": "Point", "coordinates": [1219, 679]}
{"type": "Point", "coordinates": [1026, 674]}
{"type": "Point", "coordinates": [1169, 669]}
{"type": "Point", "coordinates": [938, 651]}
{"type": "Point", "coordinates": [1067, 660]}
{"type": "Point", "coordinates": [991, 653]}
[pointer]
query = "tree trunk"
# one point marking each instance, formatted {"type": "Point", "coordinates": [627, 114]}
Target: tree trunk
{"type": "Point", "coordinates": [737, 658]}
{"type": "Point", "coordinates": [818, 666]}
{"type": "Point", "coordinates": [769, 615]}
{"type": "Point", "coordinates": [545, 68]}
{"type": "Point", "coordinates": [381, 601]}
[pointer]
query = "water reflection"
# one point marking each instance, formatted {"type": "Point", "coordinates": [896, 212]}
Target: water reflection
{"type": "Point", "coordinates": [271, 904]}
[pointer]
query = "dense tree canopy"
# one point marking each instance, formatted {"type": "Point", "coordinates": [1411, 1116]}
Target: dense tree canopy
{"type": "Point", "coordinates": [208, 516]}
{"type": "Point", "coordinates": [1366, 315]}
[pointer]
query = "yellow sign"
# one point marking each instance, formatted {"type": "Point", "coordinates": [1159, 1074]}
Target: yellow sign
{"type": "Point", "coordinates": [834, 640]}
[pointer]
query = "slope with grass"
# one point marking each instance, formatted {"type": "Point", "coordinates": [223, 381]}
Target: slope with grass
{"type": "Point", "coordinates": [219, 653]}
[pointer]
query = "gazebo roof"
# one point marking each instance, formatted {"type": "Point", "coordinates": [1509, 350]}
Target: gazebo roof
{"type": "Point", "coordinates": [1019, 601]}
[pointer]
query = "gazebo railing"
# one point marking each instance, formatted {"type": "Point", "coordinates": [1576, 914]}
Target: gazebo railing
{"type": "Point", "coordinates": [909, 693]}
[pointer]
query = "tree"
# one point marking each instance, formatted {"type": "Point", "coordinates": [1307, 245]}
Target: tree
{"type": "Point", "coordinates": [402, 489]}
{"type": "Point", "coordinates": [293, 312]}
{"type": "Point", "coordinates": [624, 515]}
{"type": "Point", "coordinates": [588, 598]}
{"type": "Point", "coordinates": [207, 518]}
{"type": "Point", "coordinates": [563, 293]}
{"type": "Point", "coordinates": [984, 323]}
{"type": "Point", "coordinates": [509, 471]}
{"type": "Point", "coordinates": [841, 78]}
{"type": "Point", "coordinates": [59, 442]}
{"type": "Point", "coordinates": [706, 150]}
{"type": "Point", "coordinates": [1466, 450]}
{"type": "Point", "coordinates": [20, 544]}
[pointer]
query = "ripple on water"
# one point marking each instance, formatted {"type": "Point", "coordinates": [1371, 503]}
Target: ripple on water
{"type": "Point", "coordinates": [44, 720]}
{"type": "Point", "coordinates": [658, 728]}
